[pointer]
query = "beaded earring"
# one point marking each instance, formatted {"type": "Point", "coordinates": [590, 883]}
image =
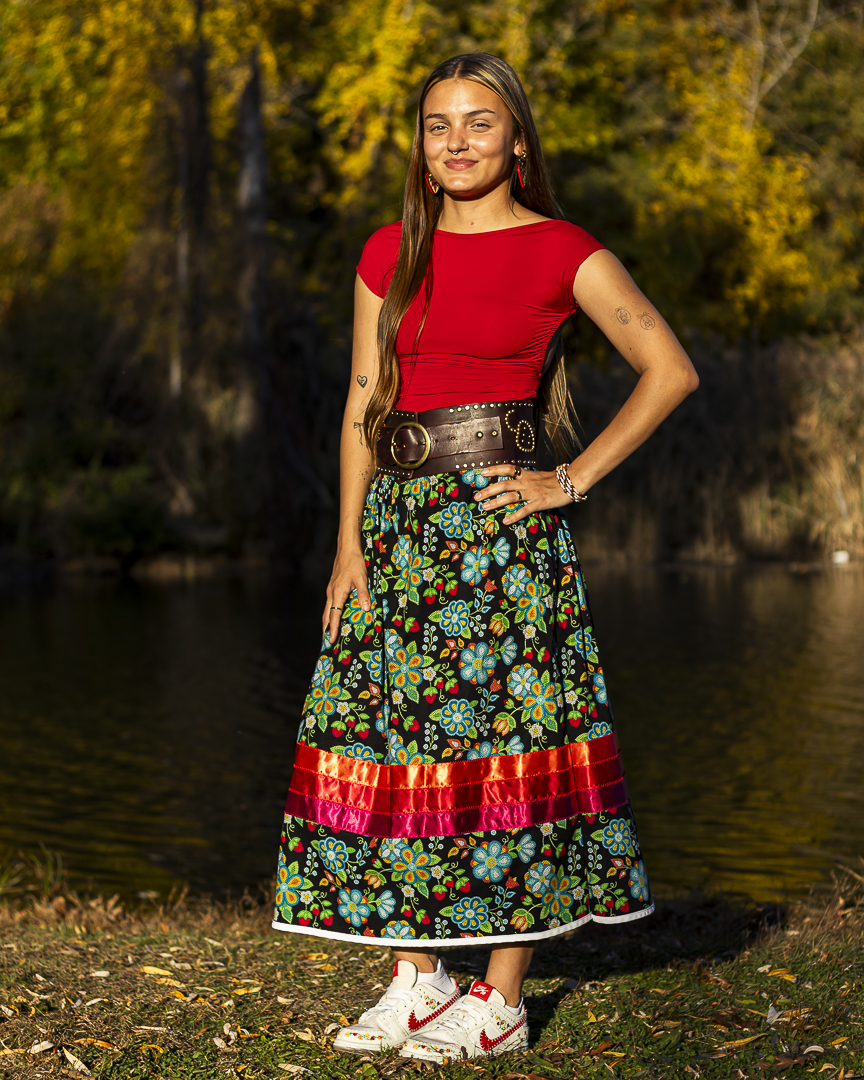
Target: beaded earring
{"type": "Point", "coordinates": [432, 183]}
{"type": "Point", "coordinates": [522, 168]}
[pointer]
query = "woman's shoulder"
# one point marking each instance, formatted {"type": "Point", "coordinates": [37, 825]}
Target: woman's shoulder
{"type": "Point", "coordinates": [378, 260]}
{"type": "Point", "coordinates": [385, 238]}
{"type": "Point", "coordinates": [569, 234]}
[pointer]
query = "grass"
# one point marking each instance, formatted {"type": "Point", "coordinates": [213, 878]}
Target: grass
{"type": "Point", "coordinates": [705, 988]}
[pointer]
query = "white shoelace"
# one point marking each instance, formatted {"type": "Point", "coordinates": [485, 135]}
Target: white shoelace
{"type": "Point", "coordinates": [392, 996]}
{"type": "Point", "coordinates": [466, 1013]}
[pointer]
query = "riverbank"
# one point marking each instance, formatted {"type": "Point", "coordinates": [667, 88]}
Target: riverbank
{"type": "Point", "coordinates": [705, 988]}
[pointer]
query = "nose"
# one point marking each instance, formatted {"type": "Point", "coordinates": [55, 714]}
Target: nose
{"type": "Point", "coordinates": [457, 142]}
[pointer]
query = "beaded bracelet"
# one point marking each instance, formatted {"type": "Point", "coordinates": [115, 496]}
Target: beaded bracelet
{"type": "Point", "coordinates": [567, 485]}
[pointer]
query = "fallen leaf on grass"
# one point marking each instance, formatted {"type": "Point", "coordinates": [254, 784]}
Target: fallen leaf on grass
{"type": "Point", "coordinates": [306, 1035]}
{"type": "Point", "coordinates": [5, 1051]}
{"type": "Point", "coordinates": [828, 1065]}
{"type": "Point", "coordinates": [11, 1013]}
{"type": "Point", "coordinates": [314, 957]}
{"type": "Point", "coordinates": [100, 974]}
{"type": "Point", "coordinates": [149, 970]}
{"type": "Point", "coordinates": [742, 1042]}
{"type": "Point", "coordinates": [152, 1046]}
{"type": "Point", "coordinates": [836, 1042]}
{"type": "Point", "coordinates": [296, 1070]}
{"type": "Point", "coordinates": [601, 1047]}
{"type": "Point", "coordinates": [94, 1001]}
{"type": "Point", "coordinates": [284, 1000]}
{"type": "Point", "coordinates": [777, 1017]}
{"type": "Point", "coordinates": [40, 1047]}
{"type": "Point", "coordinates": [331, 1028]}
{"type": "Point", "coordinates": [96, 1042]}
{"type": "Point", "coordinates": [76, 1063]}
{"type": "Point", "coordinates": [244, 990]}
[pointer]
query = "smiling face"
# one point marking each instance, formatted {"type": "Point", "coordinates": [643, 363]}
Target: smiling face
{"type": "Point", "coordinates": [469, 138]}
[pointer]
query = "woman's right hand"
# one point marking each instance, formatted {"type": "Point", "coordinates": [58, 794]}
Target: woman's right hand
{"type": "Point", "coordinates": [349, 573]}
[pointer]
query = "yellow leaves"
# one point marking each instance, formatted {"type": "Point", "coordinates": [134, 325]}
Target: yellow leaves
{"type": "Point", "coordinates": [149, 970]}
{"type": "Point", "coordinates": [783, 973]}
{"type": "Point", "coordinates": [741, 1042]}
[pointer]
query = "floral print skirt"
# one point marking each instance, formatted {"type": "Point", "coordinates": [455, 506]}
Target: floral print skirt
{"type": "Point", "coordinates": [457, 777]}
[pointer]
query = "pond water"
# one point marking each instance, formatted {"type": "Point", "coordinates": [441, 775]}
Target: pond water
{"type": "Point", "coordinates": [146, 734]}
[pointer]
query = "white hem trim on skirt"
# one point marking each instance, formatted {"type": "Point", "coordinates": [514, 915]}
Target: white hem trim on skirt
{"type": "Point", "coordinates": [488, 939]}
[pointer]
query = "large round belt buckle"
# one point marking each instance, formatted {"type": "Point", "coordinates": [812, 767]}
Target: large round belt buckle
{"type": "Point", "coordinates": [410, 464]}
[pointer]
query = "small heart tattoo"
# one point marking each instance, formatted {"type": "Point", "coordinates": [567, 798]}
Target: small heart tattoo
{"type": "Point", "coordinates": [362, 380]}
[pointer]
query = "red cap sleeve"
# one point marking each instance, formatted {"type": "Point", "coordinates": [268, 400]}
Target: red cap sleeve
{"type": "Point", "coordinates": [378, 261]}
{"type": "Point", "coordinates": [576, 246]}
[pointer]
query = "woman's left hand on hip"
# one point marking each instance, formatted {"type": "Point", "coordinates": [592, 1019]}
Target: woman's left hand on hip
{"type": "Point", "coordinates": [527, 491]}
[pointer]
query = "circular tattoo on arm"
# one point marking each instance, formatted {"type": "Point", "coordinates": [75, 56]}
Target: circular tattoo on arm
{"type": "Point", "coordinates": [645, 321]}
{"type": "Point", "coordinates": [622, 315]}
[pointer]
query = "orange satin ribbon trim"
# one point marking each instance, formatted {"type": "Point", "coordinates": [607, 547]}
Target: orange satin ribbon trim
{"type": "Point", "coordinates": [458, 785]}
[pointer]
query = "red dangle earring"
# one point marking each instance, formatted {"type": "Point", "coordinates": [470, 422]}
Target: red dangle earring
{"type": "Point", "coordinates": [432, 183]}
{"type": "Point", "coordinates": [522, 169]}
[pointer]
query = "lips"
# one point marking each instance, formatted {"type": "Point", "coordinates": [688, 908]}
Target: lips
{"type": "Point", "coordinates": [460, 166]}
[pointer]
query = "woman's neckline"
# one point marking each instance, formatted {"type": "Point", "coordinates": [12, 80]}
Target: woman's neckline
{"type": "Point", "coordinates": [510, 228]}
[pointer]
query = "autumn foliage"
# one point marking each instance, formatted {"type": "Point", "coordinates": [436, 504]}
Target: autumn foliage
{"type": "Point", "coordinates": [173, 349]}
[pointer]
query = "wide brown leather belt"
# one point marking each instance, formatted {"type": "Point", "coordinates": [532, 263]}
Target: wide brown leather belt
{"type": "Point", "coordinates": [459, 437]}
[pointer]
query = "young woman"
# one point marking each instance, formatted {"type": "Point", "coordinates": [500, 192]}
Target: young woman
{"type": "Point", "coordinates": [457, 778]}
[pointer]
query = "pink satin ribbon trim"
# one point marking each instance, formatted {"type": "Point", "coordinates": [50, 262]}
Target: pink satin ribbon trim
{"type": "Point", "coordinates": [453, 797]}
{"type": "Point", "coordinates": [474, 819]}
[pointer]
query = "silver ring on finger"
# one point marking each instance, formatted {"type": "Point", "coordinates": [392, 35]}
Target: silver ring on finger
{"type": "Point", "coordinates": [334, 608]}
{"type": "Point", "coordinates": [518, 471]}
{"type": "Point", "coordinates": [518, 495]}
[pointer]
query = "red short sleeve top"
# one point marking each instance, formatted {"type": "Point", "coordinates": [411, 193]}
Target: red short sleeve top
{"type": "Point", "coordinates": [498, 298]}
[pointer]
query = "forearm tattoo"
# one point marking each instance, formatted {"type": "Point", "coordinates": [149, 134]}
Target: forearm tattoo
{"type": "Point", "coordinates": [646, 321]}
{"type": "Point", "coordinates": [359, 429]}
{"type": "Point", "coordinates": [362, 380]}
{"type": "Point", "coordinates": [622, 315]}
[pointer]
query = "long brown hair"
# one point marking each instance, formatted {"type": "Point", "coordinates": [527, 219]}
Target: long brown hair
{"type": "Point", "coordinates": [420, 216]}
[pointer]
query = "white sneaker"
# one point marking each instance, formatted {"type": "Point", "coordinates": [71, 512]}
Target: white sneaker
{"type": "Point", "coordinates": [405, 1006]}
{"type": "Point", "coordinates": [478, 1026]}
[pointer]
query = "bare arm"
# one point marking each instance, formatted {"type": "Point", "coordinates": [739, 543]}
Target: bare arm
{"type": "Point", "coordinates": [610, 297]}
{"type": "Point", "coordinates": [355, 463]}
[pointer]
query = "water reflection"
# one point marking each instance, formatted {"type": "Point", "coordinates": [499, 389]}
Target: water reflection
{"type": "Point", "coordinates": [146, 734]}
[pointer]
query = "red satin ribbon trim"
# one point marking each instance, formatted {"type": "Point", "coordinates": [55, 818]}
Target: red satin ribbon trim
{"type": "Point", "coordinates": [452, 797]}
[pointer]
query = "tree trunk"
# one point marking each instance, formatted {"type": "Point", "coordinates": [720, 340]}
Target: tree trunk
{"type": "Point", "coordinates": [294, 491]}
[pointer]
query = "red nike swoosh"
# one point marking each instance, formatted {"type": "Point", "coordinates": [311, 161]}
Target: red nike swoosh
{"type": "Point", "coordinates": [490, 1044]}
{"type": "Point", "coordinates": [414, 1024]}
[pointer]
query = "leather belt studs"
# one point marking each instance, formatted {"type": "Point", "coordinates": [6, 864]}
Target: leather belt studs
{"type": "Point", "coordinates": [460, 437]}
